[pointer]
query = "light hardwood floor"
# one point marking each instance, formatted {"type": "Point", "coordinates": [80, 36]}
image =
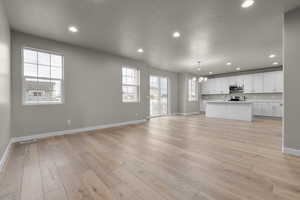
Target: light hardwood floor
{"type": "Point", "coordinates": [168, 158]}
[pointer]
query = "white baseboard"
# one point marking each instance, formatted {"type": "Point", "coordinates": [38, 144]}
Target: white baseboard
{"type": "Point", "coordinates": [58, 133]}
{"type": "Point", "coordinates": [157, 116]}
{"type": "Point", "coordinates": [74, 131]}
{"type": "Point", "coordinates": [294, 152]}
{"type": "Point", "coordinates": [5, 155]}
{"type": "Point", "coordinates": [187, 114]}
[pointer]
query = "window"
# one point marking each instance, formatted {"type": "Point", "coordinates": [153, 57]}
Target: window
{"type": "Point", "coordinates": [192, 89]}
{"type": "Point", "coordinates": [42, 77]}
{"type": "Point", "coordinates": [130, 84]}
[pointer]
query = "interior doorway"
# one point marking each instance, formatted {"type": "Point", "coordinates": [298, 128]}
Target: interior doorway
{"type": "Point", "coordinates": [159, 96]}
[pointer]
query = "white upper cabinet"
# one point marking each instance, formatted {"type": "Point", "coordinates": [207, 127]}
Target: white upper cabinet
{"type": "Point", "coordinates": [232, 80]}
{"type": "Point", "coordinates": [218, 85]}
{"type": "Point", "coordinates": [253, 83]}
{"type": "Point", "coordinates": [279, 81]}
{"type": "Point", "coordinates": [204, 87]}
{"type": "Point", "coordinates": [248, 84]}
{"type": "Point", "coordinates": [258, 83]}
{"type": "Point", "coordinates": [235, 80]}
{"type": "Point", "coordinates": [269, 82]}
{"type": "Point", "coordinates": [273, 82]}
{"type": "Point", "coordinates": [240, 80]}
{"type": "Point", "coordinates": [225, 86]}
{"type": "Point", "coordinates": [215, 86]}
{"type": "Point", "coordinates": [222, 86]}
{"type": "Point", "coordinates": [208, 87]}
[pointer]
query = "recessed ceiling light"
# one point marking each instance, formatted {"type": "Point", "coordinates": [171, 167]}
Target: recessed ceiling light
{"type": "Point", "coordinates": [176, 34]}
{"type": "Point", "coordinates": [140, 50]}
{"type": "Point", "coordinates": [73, 29]}
{"type": "Point", "coordinates": [247, 3]}
{"type": "Point", "coordinates": [275, 63]}
{"type": "Point", "coordinates": [238, 69]}
{"type": "Point", "coordinates": [229, 64]}
{"type": "Point", "coordinates": [199, 69]}
{"type": "Point", "coordinates": [272, 56]}
{"type": "Point", "coordinates": [210, 72]}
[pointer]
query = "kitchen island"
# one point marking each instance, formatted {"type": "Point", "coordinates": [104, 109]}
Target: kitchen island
{"type": "Point", "coordinates": [236, 110]}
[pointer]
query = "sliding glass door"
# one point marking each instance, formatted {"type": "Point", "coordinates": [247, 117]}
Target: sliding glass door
{"type": "Point", "coordinates": [158, 96]}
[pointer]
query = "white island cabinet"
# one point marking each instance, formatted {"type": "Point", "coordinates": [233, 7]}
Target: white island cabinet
{"type": "Point", "coordinates": [240, 110]}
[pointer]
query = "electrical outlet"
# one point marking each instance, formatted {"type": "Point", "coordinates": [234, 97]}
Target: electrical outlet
{"type": "Point", "coordinates": [69, 122]}
{"type": "Point", "coordinates": [136, 114]}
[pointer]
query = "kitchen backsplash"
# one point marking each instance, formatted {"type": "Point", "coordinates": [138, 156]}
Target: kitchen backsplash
{"type": "Point", "coordinates": [273, 96]}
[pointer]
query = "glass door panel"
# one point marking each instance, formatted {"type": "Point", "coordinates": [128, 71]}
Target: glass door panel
{"type": "Point", "coordinates": [158, 96]}
{"type": "Point", "coordinates": [163, 96]}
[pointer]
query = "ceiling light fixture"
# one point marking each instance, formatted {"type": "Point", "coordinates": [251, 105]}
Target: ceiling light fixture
{"type": "Point", "coordinates": [229, 64]}
{"type": "Point", "coordinates": [176, 34]}
{"type": "Point", "coordinates": [275, 63]}
{"type": "Point", "coordinates": [202, 79]}
{"type": "Point", "coordinates": [272, 56]}
{"type": "Point", "coordinates": [247, 3]}
{"type": "Point", "coordinates": [73, 29]}
{"type": "Point", "coordinates": [199, 66]}
{"type": "Point", "coordinates": [210, 72]}
{"type": "Point", "coordinates": [238, 69]}
{"type": "Point", "coordinates": [140, 50]}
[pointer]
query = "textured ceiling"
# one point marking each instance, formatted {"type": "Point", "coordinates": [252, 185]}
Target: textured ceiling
{"type": "Point", "coordinates": [213, 31]}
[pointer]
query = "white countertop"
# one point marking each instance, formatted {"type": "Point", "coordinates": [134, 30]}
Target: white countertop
{"type": "Point", "coordinates": [247, 101]}
{"type": "Point", "coordinates": [230, 102]}
{"type": "Point", "coordinates": [265, 101]}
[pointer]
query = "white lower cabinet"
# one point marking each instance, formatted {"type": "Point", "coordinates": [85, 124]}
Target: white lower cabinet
{"type": "Point", "coordinates": [257, 109]}
{"type": "Point", "coordinates": [270, 109]}
{"type": "Point", "coordinates": [277, 109]}
{"type": "Point", "coordinates": [203, 106]}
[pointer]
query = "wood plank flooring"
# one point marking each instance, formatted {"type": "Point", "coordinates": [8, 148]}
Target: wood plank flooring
{"type": "Point", "coordinates": [169, 158]}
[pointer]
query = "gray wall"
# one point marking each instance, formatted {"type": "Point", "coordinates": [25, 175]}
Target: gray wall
{"type": "Point", "coordinates": [291, 79]}
{"type": "Point", "coordinates": [181, 92]}
{"type": "Point", "coordinates": [92, 90]}
{"type": "Point", "coordinates": [184, 106]}
{"type": "Point", "coordinates": [5, 108]}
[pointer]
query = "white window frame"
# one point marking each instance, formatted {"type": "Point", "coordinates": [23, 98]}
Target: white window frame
{"type": "Point", "coordinates": [24, 103]}
{"type": "Point", "coordinates": [132, 85]}
{"type": "Point", "coordinates": [190, 99]}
